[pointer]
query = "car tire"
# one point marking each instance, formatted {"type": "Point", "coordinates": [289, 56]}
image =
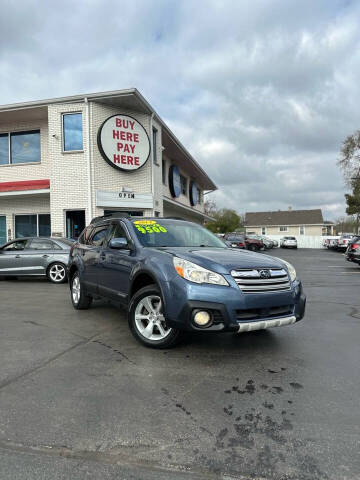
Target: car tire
{"type": "Point", "coordinates": [147, 322]}
{"type": "Point", "coordinates": [252, 248]}
{"type": "Point", "coordinates": [56, 272]}
{"type": "Point", "coordinates": [79, 297]}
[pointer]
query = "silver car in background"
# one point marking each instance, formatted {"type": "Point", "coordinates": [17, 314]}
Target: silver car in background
{"type": "Point", "coordinates": [36, 256]}
{"type": "Point", "coordinates": [288, 242]}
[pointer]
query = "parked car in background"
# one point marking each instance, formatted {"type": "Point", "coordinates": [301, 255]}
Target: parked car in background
{"type": "Point", "coordinates": [276, 243]}
{"type": "Point", "coordinates": [330, 243]}
{"type": "Point", "coordinates": [235, 241]}
{"type": "Point", "coordinates": [288, 242]}
{"type": "Point", "coordinates": [353, 250]}
{"type": "Point", "coordinates": [36, 256]}
{"type": "Point", "coordinates": [174, 276]}
{"type": "Point", "coordinates": [268, 243]}
{"type": "Point", "coordinates": [343, 241]}
{"type": "Point", "coordinates": [250, 242]}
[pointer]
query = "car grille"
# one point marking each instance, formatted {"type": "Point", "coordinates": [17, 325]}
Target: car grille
{"type": "Point", "coordinates": [262, 280]}
{"type": "Point", "coordinates": [260, 313]}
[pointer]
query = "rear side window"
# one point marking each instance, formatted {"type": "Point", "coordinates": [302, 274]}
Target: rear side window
{"type": "Point", "coordinates": [41, 244]}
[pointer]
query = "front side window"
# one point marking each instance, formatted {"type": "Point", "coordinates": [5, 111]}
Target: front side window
{"type": "Point", "coordinates": [72, 132]}
{"type": "Point", "coordinates": [117, 232]}
{"type": "Point", "coordinates": [98, 236]}
{"type": "Point", "coordinates": [15, 246]}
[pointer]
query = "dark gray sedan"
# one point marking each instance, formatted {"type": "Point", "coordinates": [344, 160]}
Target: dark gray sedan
{"type": "Point", "coordinates": [36, 256]}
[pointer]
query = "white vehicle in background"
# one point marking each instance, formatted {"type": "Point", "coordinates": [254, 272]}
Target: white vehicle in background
{"type": "Point", "coordinates": [288, 242]}
{"type": "Point", "coordinates": [343, 241]}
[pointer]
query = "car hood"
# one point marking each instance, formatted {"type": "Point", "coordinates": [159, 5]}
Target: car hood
{"type": "Point", "coordinates": [223, 260]}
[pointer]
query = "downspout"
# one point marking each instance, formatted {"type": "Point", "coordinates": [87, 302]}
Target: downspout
{"type": "Point", "coordinates": [88, 158]}
{"type": "Point", "coordinates": [152, 163]}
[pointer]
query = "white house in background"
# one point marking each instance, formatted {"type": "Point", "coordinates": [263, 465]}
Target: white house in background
{"type": "Point", "coordinates": [288, 222]}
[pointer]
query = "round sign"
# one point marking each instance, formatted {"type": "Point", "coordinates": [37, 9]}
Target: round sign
{"type": "Point", "coordinates": [174, 181]}
{"type": "Point", "coordinates": [194, 194]}
{"type": "Point", "coordinates": [123, 142]}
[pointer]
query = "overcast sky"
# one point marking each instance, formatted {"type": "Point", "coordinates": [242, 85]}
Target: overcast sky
{"type": "Point", "coordinates": [262, 93]}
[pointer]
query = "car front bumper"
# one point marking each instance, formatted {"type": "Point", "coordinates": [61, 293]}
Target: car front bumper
{"type": "Point", "coordinates": [230, 308]}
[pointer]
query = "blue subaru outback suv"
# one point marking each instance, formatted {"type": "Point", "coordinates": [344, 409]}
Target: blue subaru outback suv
{"type": "Point", "coordinates": [175, 276]}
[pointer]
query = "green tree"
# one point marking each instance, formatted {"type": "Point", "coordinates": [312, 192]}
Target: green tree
{"type": "Point", "coordinates": [226, 220]}
{"type": "Point", "coordinates": [349, 163]}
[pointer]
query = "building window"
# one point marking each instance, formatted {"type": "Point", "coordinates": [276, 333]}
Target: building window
{"type": "Point", "coordinates": [4, 149]}
{"type": "Point", "coordinates": [183, 183]}
{"type": "Point", "coordinates": [283, 229]}
{"type": "Point", "coordinates": [35, 225]}
{"type": "Point", "coordinates": [302, 230]}
{"type": "Point", "coordinates": [199, 196]}
{"type": "Point", "coordinates": [164, 172]}
{"type": "Point", "coordinates": [157, 214]}
{"type": "Point", "coordinates": [154, 145]}
{"type": "Point", "coordinates": [20, 147]}
{"type": "Point", "coordinates": [263, 230]}
{"type": "Point", "coordinates": [72, 132]}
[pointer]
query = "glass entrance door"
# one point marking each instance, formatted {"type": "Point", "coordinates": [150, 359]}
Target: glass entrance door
{"type": "Point", "coordinates": [2, 229]}
{"type": "Point", "coordinates": [75, 223]}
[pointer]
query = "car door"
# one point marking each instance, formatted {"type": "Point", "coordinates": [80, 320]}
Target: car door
{"type": "Point", "coordinates": [38, 254]}
{"type": "Point", "coordinates": [115, 266]}
{"type": "Point", "coordinates": [12, 258]}
{"type": "Point", "coordinates": [91, 256]}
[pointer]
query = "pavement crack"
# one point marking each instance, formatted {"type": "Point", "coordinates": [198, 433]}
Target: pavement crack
{"type": "Point", "coordinates": [15, 379]}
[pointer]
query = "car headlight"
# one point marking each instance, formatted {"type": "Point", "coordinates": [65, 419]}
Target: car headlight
{"type": "Point", "coordinates": [291, 270]}
{"type": "Point", "coordinates": [195, 273]}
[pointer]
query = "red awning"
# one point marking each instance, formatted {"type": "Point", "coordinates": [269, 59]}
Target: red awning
{"type": "Point", "coordinates": [24, 185]}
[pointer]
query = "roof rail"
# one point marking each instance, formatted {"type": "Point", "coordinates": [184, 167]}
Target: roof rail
{"type": "Point", "coordinates": [110, 215]}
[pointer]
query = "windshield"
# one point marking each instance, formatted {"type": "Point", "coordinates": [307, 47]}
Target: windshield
{"type": "Point", "coordinates": [174, 233]}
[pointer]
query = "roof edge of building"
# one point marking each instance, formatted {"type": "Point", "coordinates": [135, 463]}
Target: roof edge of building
{"type": "Point", "coordinates": [108, 94]}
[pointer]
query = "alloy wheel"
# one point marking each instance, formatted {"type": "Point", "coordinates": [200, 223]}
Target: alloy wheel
{"type": "Point", "coordinates": [149, 319]}
{"type": "Point", "coordinates": [57, 273]}
{"type": "Point", "coordinates": [76, 290]}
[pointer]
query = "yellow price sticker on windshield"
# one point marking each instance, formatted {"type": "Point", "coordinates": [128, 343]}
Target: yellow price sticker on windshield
{"type": "Point", "coordinates": [153, 228]}
{"type": "Point", "coordinates": [144, 222]}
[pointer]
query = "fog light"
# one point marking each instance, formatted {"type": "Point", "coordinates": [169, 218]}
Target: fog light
{"type": "Point", "coordinates": [202, 318]}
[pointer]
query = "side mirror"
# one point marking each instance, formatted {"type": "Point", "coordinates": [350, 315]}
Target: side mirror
{"type": "Point", "coordinates": [119, 243]}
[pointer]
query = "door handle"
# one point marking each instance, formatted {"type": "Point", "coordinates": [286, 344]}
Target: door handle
{"type": "Point", "coordinates": [45, 256]}
{"type": "Point", "coordinates": [102, 256]}
{"type": "Point", "coordinates": [17, 256]}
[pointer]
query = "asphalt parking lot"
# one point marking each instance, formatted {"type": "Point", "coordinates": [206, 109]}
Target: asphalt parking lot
{"type": "Point", "coordinates": [81, 399]}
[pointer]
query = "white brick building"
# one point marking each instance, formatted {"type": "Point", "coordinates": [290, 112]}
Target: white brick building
{"type": "Point", "coordinates": [54, 176]}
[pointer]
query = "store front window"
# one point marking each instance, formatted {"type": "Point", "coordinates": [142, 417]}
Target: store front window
{"type": "Point", "coordinates": [36, 225]}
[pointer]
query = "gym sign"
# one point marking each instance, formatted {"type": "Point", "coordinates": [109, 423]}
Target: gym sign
{"type": "Point", "coordinates": [123, 142]}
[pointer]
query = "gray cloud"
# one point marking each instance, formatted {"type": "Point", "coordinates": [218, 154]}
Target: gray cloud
{"type": "Point", "coordinates": [262, 94]}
